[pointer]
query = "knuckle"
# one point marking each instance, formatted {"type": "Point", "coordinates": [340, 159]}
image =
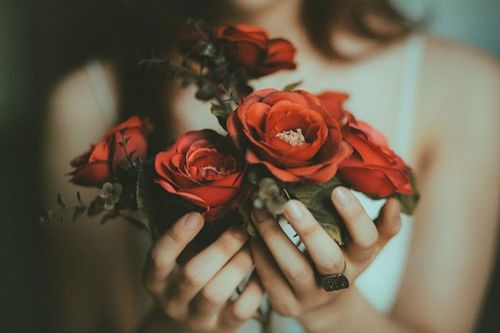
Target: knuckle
{"type": "Point", "coordinates": [227, 244]}
{"type": "Point", "coordinates": [172, 310]}
{"type": "Point", "coordinates": [394, 228]}
{"type": "Point", "coordinates": [357, 211]}
{"type": "Point", "coordinates": [299, 274]}
{"type": "Point", "coordinates": [333, 266]}
{"type": "Point", "coordinates": [209, 298]}
{"type": "Point", "coordinates": [189, 277]}
{"type": "Point", "coordinates": [174, 234]}
{"type": "Point", "coordinates": [270, 231]}
{"type": "Point", "coordinates": [367, 242]}
{"type": "Point", "coordinates": [243, 263]}
{"type": "Point", "coordinates": [288, 309]}
{"type": "Point", "coordinates": [238, 313]}
{"type": "Point", "coordinates": [158, 258]}
{"type": "Point", "coordinates": [310, 229]}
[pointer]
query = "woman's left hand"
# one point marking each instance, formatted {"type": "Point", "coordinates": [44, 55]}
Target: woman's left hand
{"type": "Point", "coordinates": [290, 277]}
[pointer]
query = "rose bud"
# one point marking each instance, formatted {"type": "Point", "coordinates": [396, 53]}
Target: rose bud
{"type": "Point", "coordinates": [290, 133]}
{"type": "Point", "coordinates": [98, 165]}
{"type": "Point", "coordinates": [373, 168]}
{"type": "Point", "coordinates": [204, 168]}
{"type": "Point", "coordinates": [251, 48]}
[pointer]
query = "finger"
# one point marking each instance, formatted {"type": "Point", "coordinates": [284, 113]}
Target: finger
{"type": "Point", "coordinates": [388, 222]}
{"type": "Point", "coordinates": [290, 260]}
{"type": "Point", "coordinates": [273, 280]}
{"type": "Point", "coordinates": [244, 307]}
{"type": "Point", "coordinates": [361, 229]}
{"type": "Point", "coordinates": [208, 302]}
{"type": "Point", "coordinates": [164, 253]}
{"type": "Point", "coordinates": [324, 252]}
{"type": "Point", "coordinates": [202, 268]}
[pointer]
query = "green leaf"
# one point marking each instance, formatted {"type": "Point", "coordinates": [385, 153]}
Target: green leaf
{"type": "Point", "coordinates": [292, 86]}
{"type": "Point", "coordinates": [409, 202]}
{"type": "Point", "coordinates": [316, 197]}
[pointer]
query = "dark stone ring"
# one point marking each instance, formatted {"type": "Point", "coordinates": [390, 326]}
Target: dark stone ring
{"type": "Point", "coordinates": [334, 281]}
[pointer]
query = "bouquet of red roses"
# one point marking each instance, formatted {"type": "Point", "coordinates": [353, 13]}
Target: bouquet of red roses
{"type": "Point", "coordinates": [276, 145]}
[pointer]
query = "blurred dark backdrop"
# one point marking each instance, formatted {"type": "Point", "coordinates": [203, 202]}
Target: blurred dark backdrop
{"type": "Point", "coordinates": [40, 41]}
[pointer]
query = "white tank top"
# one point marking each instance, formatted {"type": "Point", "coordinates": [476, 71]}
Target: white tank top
{"type": "Point", "coordinates": [379, 283]}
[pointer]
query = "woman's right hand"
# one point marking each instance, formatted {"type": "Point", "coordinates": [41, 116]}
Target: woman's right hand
{"type": "Point", "coordinates": [197, 295]}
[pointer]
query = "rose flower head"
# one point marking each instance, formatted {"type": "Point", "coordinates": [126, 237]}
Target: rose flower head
{"type": "Point", "coordinates": [98, 165]}
{"type": "Point", "coordinates": [251, 48]}
{"type": "Point", "coordinates": [204, 168]}
{"type": "Point", "coordinates": [291, 134]}
{"type": "Point", "coordinates": [373, 169]}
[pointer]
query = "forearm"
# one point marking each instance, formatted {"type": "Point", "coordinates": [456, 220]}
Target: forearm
{"type": "Point", "coordinates": [351, 312]}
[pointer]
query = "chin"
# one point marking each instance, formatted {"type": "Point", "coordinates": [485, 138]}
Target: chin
{"type": "Point", "coordinates": [253, 6]}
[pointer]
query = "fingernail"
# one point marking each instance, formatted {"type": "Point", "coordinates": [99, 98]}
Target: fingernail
{"type": "Point", "coordinates": [293, 210]}
{"type": "Point", "coordinates": [341, 196]}
{"type": "Point", "coordinates": [259, 215]}
{"type": "Point", "coordinates": [238, 233]}
{"type": "Point", "coordinates": [192, 220]}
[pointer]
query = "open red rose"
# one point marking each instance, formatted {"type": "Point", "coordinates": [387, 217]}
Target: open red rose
{"type": "Point", "coordinates": [203, 167]}
{"type": "Point", "coordinates": [251, 48]}
{"type": "Point", "coordinates": [97, 165]}
{"type": "Point", "coordinates": [373, 168]}
{"type": "Point", "coordinates": [291, 133]}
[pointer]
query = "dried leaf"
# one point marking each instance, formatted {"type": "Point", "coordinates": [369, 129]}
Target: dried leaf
{"type": "Point", "coordinates": [409, 202]}
{"type": "Point", "coordinates": [248, 226]}
{"type": "Point", "coordinates": [60, 201]}
{"type": "Point", "coordinates": [79, 197]}
{"type": "Point", "coordinates": [79, 211]}
{"type": "Point", "coordinates": [316, 197]}
{"type": "Point", "coordinates": [95, 208]}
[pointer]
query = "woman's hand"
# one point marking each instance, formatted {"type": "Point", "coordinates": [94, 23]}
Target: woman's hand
{"type": "Point", "coordinates": [290, 277]}
{"type": "Point", "coordinates": [196, 295]}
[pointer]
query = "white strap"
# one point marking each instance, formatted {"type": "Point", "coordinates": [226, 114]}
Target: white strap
{"type": "Point", "coordinates": [408, 106]}
{"type": "Point", "coordinates": [102, 91]}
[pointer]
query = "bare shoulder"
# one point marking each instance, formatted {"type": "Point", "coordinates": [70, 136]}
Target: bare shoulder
{"type": "Point", "coordinates": [74, 105]}
{"type": "Point", "coordinates": [459, 90]}
{"type": "Point", "coordinates": [74, 120]}
{"type": "Point", "coordinates": [455, 71]}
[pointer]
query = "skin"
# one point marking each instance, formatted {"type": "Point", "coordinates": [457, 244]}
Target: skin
{"type": "Point", "coordinates": [453, 152]}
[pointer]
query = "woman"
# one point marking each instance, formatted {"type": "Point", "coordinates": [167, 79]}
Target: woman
{"type": "Point", "coordinates": [430, 277]}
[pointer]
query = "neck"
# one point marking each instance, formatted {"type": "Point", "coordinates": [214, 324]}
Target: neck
{"type": "Point", "coordinates": [282, 19]}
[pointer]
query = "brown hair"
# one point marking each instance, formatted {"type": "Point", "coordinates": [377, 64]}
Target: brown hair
{"type": "Point", "coordinates": [161, 21]}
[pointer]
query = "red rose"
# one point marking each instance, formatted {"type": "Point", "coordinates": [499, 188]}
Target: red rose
{"type": "Point", "coordinates": [291, 133]}
{"type": "Point", "coordinates": [203, 168]}
{"type": "Point", "coordinates": [251, 48]}
{"type": "Point", "coordinates": [97, 165]}
{"type": "Point", "coordinates": [373, 168]}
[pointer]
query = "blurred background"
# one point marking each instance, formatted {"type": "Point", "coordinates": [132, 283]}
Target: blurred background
{"type": "Point", "coordinates": [41, 41]}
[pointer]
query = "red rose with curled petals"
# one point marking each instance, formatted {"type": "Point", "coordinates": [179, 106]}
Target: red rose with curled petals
{"type": "Point", "coordinates": [291, 133]}
{"type": "Point", "coordinates": [97, 165]}
{"type": "Point", "coordinates": [251, 48]}
{"type": "Point", "coordinates": [204, 168]}
{"type": "Point", "coordinates": [373, 169]}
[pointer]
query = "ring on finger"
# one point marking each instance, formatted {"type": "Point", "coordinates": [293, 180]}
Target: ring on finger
{"type": "Point", "coordinates": [334, 281]}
